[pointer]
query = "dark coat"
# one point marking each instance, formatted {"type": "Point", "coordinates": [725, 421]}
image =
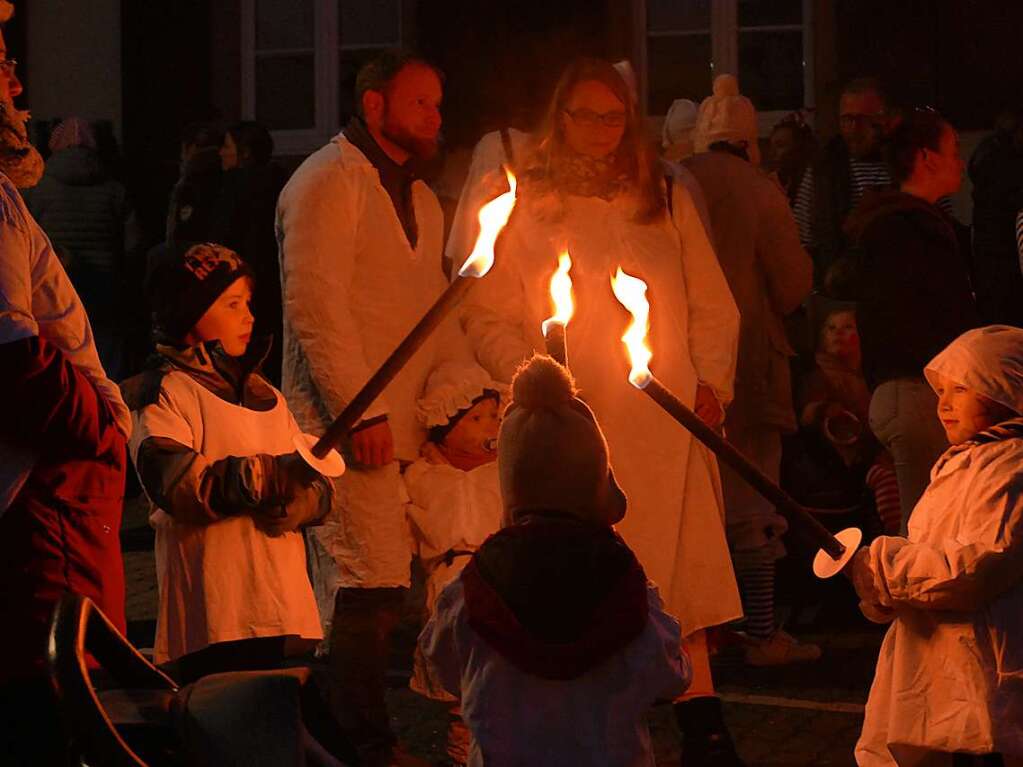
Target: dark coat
{"type": "Point", "coordinates": [996, 170]}
{"type": "Point", "coordinates": [194, 198]}
{"type": "Point", "coordinates": [244, 221]}
{"type": "Point", "coordinates": [914, 284]}
{"type": "Point", "coordinates": [61, 533]}
{"type": "Point", "coordinates": [85, 213]}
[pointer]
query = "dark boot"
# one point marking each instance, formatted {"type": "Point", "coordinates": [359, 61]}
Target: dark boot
{"type": "Point", "coordinates": [705, 737]}
{"type": "Point", "coordinates": [359, 643]}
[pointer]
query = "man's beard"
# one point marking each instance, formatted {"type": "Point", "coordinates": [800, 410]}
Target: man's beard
{"type": "Point", "coordinates": [420, 148]}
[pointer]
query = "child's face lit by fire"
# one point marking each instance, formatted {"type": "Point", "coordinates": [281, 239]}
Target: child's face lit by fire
{"type": "Point", "coordinates": [839, 337]}
{"type": "Point", "coordinates": [964, 412]}
{"type": "Point", "coordinates": [476, 431]}
{"type": "Point", "coordinates": [228, 320]}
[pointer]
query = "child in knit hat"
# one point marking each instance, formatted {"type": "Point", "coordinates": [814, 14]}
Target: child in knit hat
{"type": "Point", "coordinates": [950, 671]}
{"type": "Point", "coordinates": [455, 497]}
{"type": "Point", "coordinates": [212, 444]}
{"type": "Point", "coordinates": [552, 637]}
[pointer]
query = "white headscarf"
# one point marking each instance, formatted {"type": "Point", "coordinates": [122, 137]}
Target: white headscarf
{"type": "Point", "coordinates": [987, 360]}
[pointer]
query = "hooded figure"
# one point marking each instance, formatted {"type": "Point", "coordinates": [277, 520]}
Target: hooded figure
{"type": "Point", "coordinates": [552, 637]}
{"type": "Point", "coordinates": [950, 671]}
{"type": "Point", "coordinates": [88, 218]}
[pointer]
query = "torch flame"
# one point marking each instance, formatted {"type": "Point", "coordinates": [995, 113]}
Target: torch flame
{"type": "Point", "coordinates": [492, 217]}
{"type": "Point", "coordinates": [561, 293]}
{"type": "Point", "coordinates": [631, 293]}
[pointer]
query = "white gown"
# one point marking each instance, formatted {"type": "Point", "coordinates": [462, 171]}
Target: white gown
{"type": "Point", "coordinates": [675, 518]}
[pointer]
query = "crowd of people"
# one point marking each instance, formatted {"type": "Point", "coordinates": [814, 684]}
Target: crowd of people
{"type": "Point", "coordinates": [583, 554]}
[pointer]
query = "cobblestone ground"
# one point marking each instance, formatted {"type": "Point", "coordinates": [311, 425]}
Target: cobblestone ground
{"type": "Point", "coordinates": [794, 716]}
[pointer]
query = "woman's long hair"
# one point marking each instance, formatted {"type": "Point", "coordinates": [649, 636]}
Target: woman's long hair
{"type": "Point", "coordinates": [635, 157]}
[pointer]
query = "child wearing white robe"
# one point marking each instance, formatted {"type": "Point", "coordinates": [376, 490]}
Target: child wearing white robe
{"type": "Point", "coordinates": [950, 672]}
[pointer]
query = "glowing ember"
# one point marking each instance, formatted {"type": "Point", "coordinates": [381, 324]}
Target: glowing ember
{"type": "Point", "coordinates": [631, 293]}
{"type": "Point", "coordinates": [561, 294]}
{"type": "Point", "coordinates": [492, 217]}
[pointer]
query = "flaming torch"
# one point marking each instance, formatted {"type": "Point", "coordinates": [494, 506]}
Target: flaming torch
{"type": "Point", "coordinates": [561, 295]}
{"type": "Point", "coordinates": [492, 217]}
{"type": "Point", "coordinates": [836, 551]}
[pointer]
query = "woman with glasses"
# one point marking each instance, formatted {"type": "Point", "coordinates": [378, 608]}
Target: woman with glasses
{"type": "Point", "coordinates": [594, 186]}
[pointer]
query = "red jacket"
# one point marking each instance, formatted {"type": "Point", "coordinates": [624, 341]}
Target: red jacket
{"type": "Point", "coordinates": [61, 532]}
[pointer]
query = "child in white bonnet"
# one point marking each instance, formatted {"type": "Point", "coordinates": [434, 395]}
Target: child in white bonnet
{"type": "Point", "coordinates": [950, 672]}
{"type": "Point", "coordinates": [455, 498]}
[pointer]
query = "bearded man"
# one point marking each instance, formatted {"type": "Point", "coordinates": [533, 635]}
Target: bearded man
{"type": "Point", "coordinates": [360, 247]}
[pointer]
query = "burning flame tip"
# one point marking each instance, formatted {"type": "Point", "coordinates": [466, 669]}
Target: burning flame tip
{"type": "Point", "coordinates": [561, 293]}
{"type": "Point", "coordinates": [631, 293]}
{"type": "Point", "coordinates": [493, 217]}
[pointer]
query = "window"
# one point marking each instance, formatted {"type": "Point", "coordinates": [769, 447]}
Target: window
{"type": "Point", "coordinates": [766, 43]}
{"type": "Point", "coordinates": [299, 61]}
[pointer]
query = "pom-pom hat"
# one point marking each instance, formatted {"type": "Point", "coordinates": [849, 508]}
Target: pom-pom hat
{"type": "Point", "coordinates": [551, 453]}
{"type": "Point", "coordinates": [727, 115]}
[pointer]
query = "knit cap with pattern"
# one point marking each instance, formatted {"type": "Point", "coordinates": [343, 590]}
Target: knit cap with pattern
{"type": "Point", "coordinates": [183, 282]}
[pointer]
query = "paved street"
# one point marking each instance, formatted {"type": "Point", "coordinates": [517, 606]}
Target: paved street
{"type": "Point", "coordinates": [795, 716]}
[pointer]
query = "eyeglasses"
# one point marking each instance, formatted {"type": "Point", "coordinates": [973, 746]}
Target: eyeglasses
{"type": "Point", "coordinates": [7, 66]}
{"type": "Point", "coordinates": [862, 121]}
{"type": "Point", "coordinates": [591, 119]}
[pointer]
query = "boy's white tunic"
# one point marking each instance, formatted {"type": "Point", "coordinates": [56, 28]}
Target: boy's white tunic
{"type": "Point", "coordinates": [675, 520]}
{"type": "Point", "coordinates": [228, 580]}
{"type": "Point", "coordinates": [950, 672]}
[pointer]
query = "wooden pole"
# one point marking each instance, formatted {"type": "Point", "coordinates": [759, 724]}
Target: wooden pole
{"type": "Point", "coordinates": [796, 515]}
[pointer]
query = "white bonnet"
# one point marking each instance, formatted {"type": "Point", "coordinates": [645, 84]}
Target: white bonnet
{"type": "Point", "coordinates": [451, 388]}
{"type": "Point", "coordinates": [987, 360]}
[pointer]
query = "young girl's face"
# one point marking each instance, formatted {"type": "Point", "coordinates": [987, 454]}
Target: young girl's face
{"type": "Point", "coordinates": [228, 320]}
{"type": "Point", "coordinates": [839, 335]}
{"type": "Point", "coordinates": [964, 412]}
{"type": "Point", "coordinates": [476, 432]}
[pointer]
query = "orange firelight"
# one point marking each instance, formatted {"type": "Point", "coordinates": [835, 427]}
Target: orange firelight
{"type": "Point", "coordinates": [492, 217]}
{"type": "Point", "coordinates": [561, 294]}
{"type": "Point", "coordinates": [631, 293]}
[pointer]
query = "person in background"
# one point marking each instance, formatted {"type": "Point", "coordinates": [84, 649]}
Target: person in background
{"type": "Point", "coordinates": [552, 637]}
{"type": "Point", "coordinates": [244, 221]}
{"type": "Point", "coordinates": [790, 150]}
{"type": "Point", "coordinates": [847, 166]}
{"type": "Point", "coordinates": [360, 240]}
{"type": "Point", "coordinates": [594, 184]}
{"type": "Point", "coordinates": [677, 145]}
{"type": "Point", "coordinates": [194, 196]}
{"type": "Point", "coordinates": [63, 429]}
{"type": "Point", "coordinates": [996, 170]}
{"type": "Point", "coordinates": [915, 295]}
{"type": "Point", "coordinates": [948, 673]}
{"type": "Point", "coordinates": [834, 406]}
{"type": "Point", "coordinates": [89, 220]}
{"type": "Point", "coordinates": [769, 273]}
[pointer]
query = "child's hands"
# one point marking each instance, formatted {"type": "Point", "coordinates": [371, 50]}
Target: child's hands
{"type": "Point", "coordinates": [862, 576]}
{"type": "Point", "coordinates": [298, 499]}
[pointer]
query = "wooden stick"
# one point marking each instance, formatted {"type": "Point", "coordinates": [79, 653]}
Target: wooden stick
{"type": "Point", "coordinates": [787, 506]}
{"type": "Point", "coordinates": [447, 301]}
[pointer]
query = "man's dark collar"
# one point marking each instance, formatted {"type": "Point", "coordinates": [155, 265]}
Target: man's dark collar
{"type": "Point", "coordinates": [358, 133]}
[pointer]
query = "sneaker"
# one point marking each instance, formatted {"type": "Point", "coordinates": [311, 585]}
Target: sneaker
{"type": "Point", "coordinates": [781, 649]}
